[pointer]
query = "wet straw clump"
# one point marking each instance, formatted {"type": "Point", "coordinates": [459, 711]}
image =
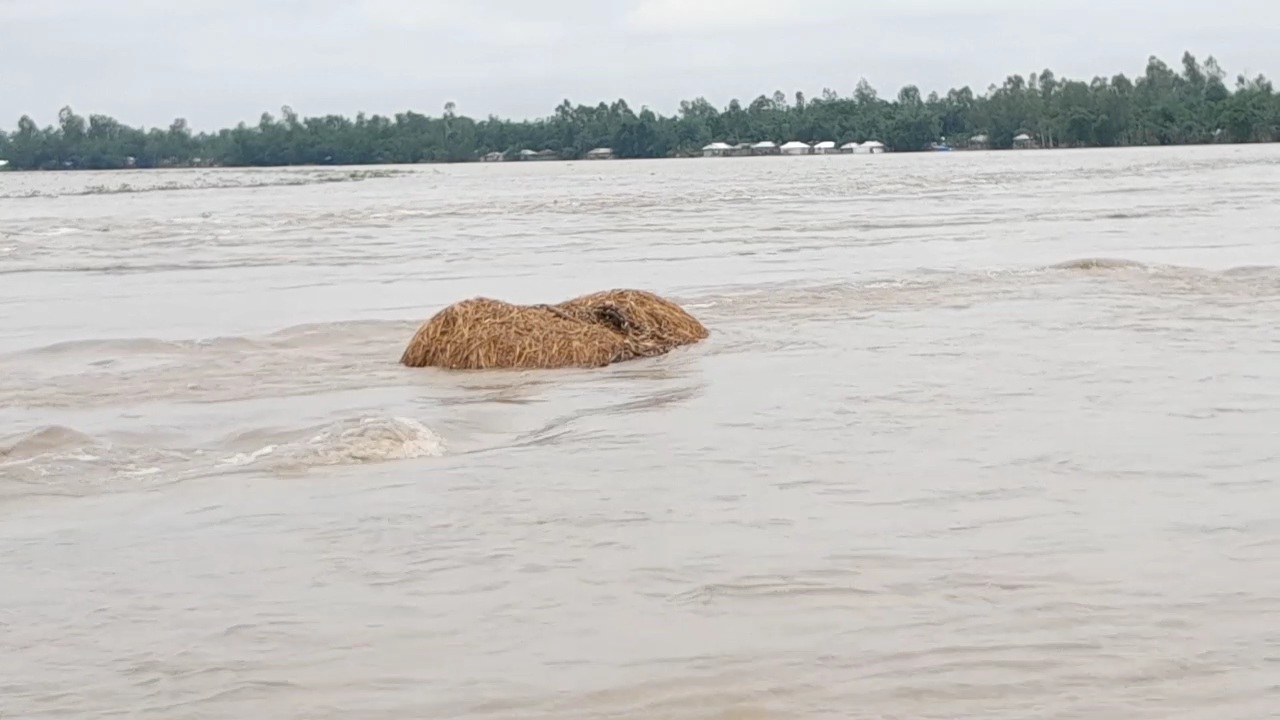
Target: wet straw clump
{"type": "Point", "coordinates": [591, 330]}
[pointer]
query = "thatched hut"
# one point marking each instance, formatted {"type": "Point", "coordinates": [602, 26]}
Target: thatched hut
{"type": "Point", "coordinates": [591, 330]}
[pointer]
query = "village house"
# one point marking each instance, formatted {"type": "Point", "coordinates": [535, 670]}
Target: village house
{"type": "Point", "coordinates": [795, 147]}
{"type": "Point", "coordinates": [765, 147]}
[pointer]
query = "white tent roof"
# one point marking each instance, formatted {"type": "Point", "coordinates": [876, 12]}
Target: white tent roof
{"type": "Point", "coordinates": [765, 144]}
{"type": "Point", "coordinates": [825, 144]}
{"type": "Point", "coordinates": [873, 143]}
{"type": "Point", "coordinates": [849, 145]}
{"type": "Point", "coordinates": [795, 144]}
{"type": "Point", "coordinates": [1022, 136]}
{"type": "Point", "coordinates": [717, 146]}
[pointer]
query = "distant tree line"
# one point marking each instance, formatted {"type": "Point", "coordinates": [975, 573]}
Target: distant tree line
{"type": "Point", "coordinates": [1161, 107]}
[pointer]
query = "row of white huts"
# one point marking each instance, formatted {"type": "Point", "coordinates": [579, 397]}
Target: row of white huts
{"type": "Point", "coordinates": [795, 147]}
{"type": "Point", "coordinates": [719, 149]}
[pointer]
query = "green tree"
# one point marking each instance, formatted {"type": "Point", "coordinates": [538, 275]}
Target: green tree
{"type": "Point", "coordinates": [1191, 103]}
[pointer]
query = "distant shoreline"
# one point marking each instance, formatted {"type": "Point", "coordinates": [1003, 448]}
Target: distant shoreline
{"type": "Point", "coordinates": [1160, 107]}
{"type": "Point", "coordinates": [336, 166]}
{"type": "Point", "coordinates": [561, 160]}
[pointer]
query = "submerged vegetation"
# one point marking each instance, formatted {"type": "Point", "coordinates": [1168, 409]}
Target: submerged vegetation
{"type": "Point", "coordinates": [587, 331]}
{"type": "Point", "coordinates": [1163, 106]}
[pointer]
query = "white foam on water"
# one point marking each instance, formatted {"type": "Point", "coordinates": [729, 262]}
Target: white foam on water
{"type": "Point", "coordinates": [351, 442]}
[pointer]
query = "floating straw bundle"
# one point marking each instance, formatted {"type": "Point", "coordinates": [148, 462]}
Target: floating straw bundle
{"type": "Point", "coordinates": [588, 331]}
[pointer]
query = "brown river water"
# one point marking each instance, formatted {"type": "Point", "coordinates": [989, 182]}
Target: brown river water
{"type": "Point", "coordinates": [976, 435]}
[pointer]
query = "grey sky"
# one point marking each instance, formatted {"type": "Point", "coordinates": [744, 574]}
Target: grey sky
{"type": "Point", "coordinates": [216, 62]}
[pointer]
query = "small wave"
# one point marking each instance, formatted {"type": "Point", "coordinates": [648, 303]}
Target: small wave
{"type": "Point", "coordinates": [843, 301]}
{"type": "Point", "coordinates": [220, 182]}
{"type": "Point", "coordinates": [57, 460]}
{"type": "Point", "coordinates": [1243, 283]}
{"type": "Point", "coordinates": [1252, 271]}
{"type": "Point", "coordinates": [769, 588]}
{"type": "Point", "coordinates": [142, 268]}
{"type": "Point", "coordinates": [50, 439]}
{"type": "Point", "coordinates": [294, 337]}
{"type": "Point", "coordinates": [350, 442]}
{"type": "Point", "coordinates": [321, 357]}
{"type": "Point", "coordinates": [105, 347]}
{"type": "Point", "coordinates": [1098, 263]}
{"type": "Point", "coordinates": [1106, 263]}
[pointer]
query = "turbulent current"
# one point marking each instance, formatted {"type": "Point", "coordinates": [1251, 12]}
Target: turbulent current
{"type": "Point", "coordinates": [975, 435]}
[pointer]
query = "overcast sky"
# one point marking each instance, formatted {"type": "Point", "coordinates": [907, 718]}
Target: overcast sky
{"type": "Point", "coordinates": [217, 62]}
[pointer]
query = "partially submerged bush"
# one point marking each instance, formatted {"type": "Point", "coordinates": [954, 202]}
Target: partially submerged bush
{"type": "Point", "coordinates": [588, 331]}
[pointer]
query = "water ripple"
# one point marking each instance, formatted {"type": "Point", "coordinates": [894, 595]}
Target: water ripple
{"type": "Point", "coordinates": [984, 435]}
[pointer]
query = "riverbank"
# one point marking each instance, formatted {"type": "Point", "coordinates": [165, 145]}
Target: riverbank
{"type": "Point", "coordinates": [1158, 107]}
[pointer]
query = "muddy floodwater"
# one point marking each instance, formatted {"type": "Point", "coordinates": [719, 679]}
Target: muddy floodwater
{"type": "Point", "coordinates": [975, 435]}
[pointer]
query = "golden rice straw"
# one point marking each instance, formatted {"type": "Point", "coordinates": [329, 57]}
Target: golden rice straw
{"type": "Point", "coordinates": [592, 330]}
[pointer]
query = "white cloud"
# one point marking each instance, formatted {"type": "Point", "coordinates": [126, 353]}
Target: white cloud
{"type": "Point", "coordinates": [217, 62]}
{"type": "Point", "coordinates": [664, 16]}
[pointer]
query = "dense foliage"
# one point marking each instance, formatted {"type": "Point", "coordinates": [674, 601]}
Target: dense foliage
{"type": "Point", "coordinates": [1161, 107]}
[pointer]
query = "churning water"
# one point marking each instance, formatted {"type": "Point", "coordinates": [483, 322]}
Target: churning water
{"type": "Point", "coordinates": [976, 435]}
